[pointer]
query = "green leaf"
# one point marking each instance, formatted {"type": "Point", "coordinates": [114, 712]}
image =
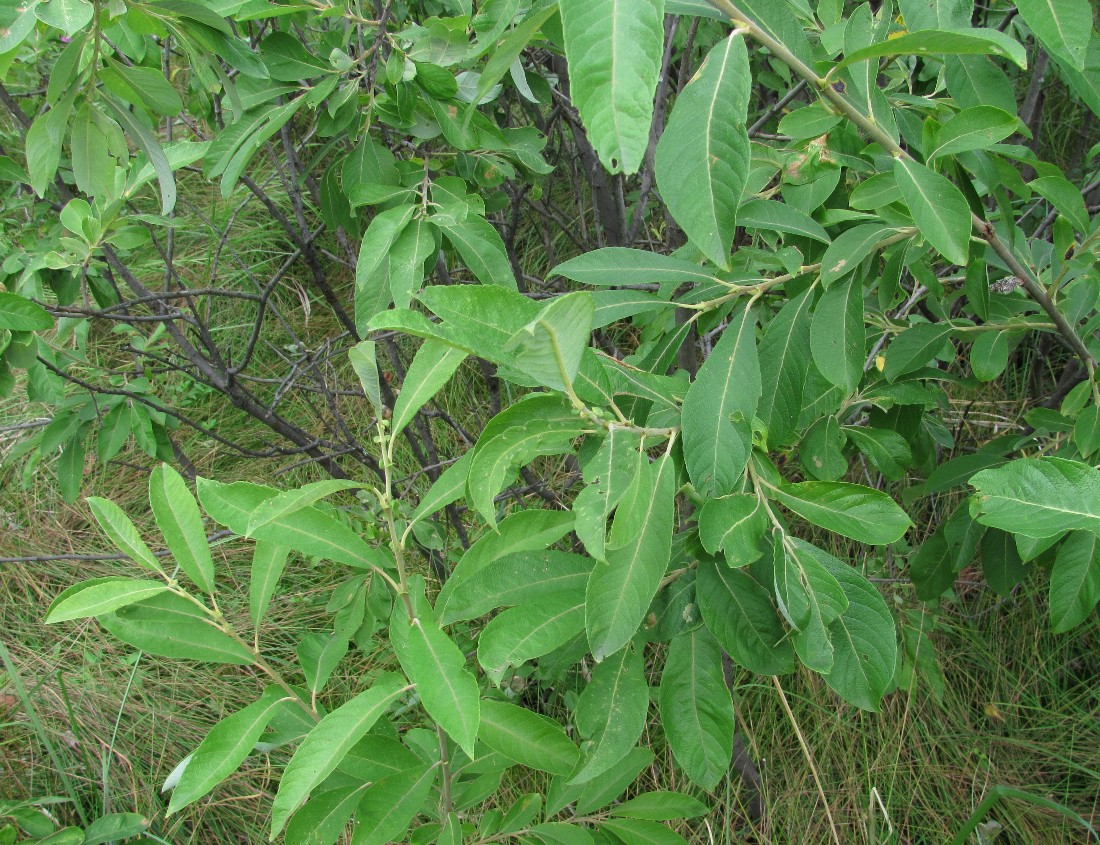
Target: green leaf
{"type": "Point", "coordinates": [820, 453]}
{"type": "Point", "coordinates": [115, 826]}
{"type": "Point", "coordinates": [448, 488]}
{"type": "Point", "coordinates": [562, 833]}
{"type": "Point", "coordinates": [123, 533]}
{"type": "Point", "coordinates": [479, 319]}
{"type": "Point", "coordinates": [376, 756]}
{"type": "Point", "coordinates": [849, 249]}
{"type": "Point", "coordinates": [1074, 581]}
{"type": "Point", "coordinates": [324, 817]}
{"type": "Point", "coordinates": [224, 748]}
{"type": "Point", "coordinates": [621, 590]}
{"type": "Point", "coordinates": [22, 26]}
{"type": "Point", "coordinates": [696, 708]}
{"type": "Point", "coordinates": [887, 450]}
{"type": "Point", "coordinates": [607, 477]}
{"type": "Point", "coordinates": [515, 579]}
{"type": "Point", "coordinates": [70, 466]}
{"type": "Point", "coordinates": [804, 588]}
{"type": "Point", "coordinates": [784, 361]}
{"type": "Point", "coordinates": [159, 162]}
{"type": "Point", "coordinates": [100, 595]}
{"type": "Point", "coordinates": [528, 631]}
{"type": "Point", "coordinates": [509, 48]}
{"type": "Point", "coordinates": [521, 813]}
{"type": "Point", "coordinates": [972, 129]}
{"type": "Point", "coordinates": [1038, 497]}
{"type": "Point", "coordinates": [740, 614]}
{"type": "Point", "coordinates": [805, 123]}
{"type": "Point", "coordinates": [661, 806]}
{"type": "Point", "coordinates": [1063, 26]}
{"type": "Point", "coordinates": [1001, 562]}
{"type": "Point", "coordinates": [938, 207]}
{"type": "Point", "coordinates": [364, 361]}
{"type": "Point", "coordinates": [44, 137]}
{"type": "Point", "coordinates": [481, 247]}
{"type": "Point", "coordinates": [611, 712]}
{"type": "Point", "coordinates": [70, 16]}
{"type": "Point", "coordinates": [914, 348]}
{"type": "Point", "coordinates": [602, 789]}
{"type": "Point", "coordinates": [734, 524]}
{"type": "Point", "coordinates": [719, 408]}
{"type": "Point", "coordinates": [307, 530]}
{"type": "Point", "coordinates": [809, 598]}
{"type": "Point", "coordinates": [372, 292]}
{"type": "Point", "coordinates": [937, 42]}
{"type": "Point", "coordinates": [774, 216]}
{"type": "Point", "coordinates": [432, 367]}
{"type": "Point", "coordinates": [149, 87]}
{"type": "Point", "coordinates": [530, 739]}
{"type": "Point", "coordinates": [639, 832]}
{"type": "Point", "coordinates": [852, 510]}
{"type": "Point", "coordinates": [1085, 84]}
{"type": "Point", "coordinates": [388, 806]}
{"type": "Point", "coordinates": [268, 562]}
{"type": "Point", "coordinates": [437, 666]}
{"type": "Point", "coordinates": [614, 53]}
{"type": "Point", "coordinates": [1066, 198]}
{"type": "Point", "coordinates": [272, 122]}
{"type": "Point", "coordinates": [864, 638]}
{"type": "Point", "coordinates": [950, 549]}
{"type": "Point", "coordinates": [702, 158]}
{"type": "Point", "coordinates": [18, 314]}
{"type": "Point", "coordinates": [325, 745]}
{"type": "Point", "coordinates": [837, 336]}
{"type": "Point", "coordinates": [289, 502]}
{"type": "Point", "coordinates": [318, 655]}
{"type": "Point", "coordinates": [407, 259]}
{"type": "Point", "coordinates": [169, 625]}
{"type": "Point", "coordinates": [544, 425]}
{"type": "Point", "coordinates": [1086, 431]}
{"type": "Point", "coordinates": [615, 305]}
{"type": "Point", "coordinates": [549, 348]}
{"type": "Point", "coordinates": [315, 533]}
{"type": "Point", "coordinates": [989, 355]}
{"type": "Point", "coordinates": [515, 546]}
{"type": "Point", "coordinates": [179, 520]}
{"type": "Point", "coordinates": [615, 265]}
{"type": "Point", "coordinates": [875, 192]}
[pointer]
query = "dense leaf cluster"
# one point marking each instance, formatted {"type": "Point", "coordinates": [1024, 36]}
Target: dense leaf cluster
{"type": "Point", "coordinates": [802, 221]}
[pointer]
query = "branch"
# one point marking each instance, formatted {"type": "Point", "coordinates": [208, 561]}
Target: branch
{"type": "Point", "coordinates": [984, 229]}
